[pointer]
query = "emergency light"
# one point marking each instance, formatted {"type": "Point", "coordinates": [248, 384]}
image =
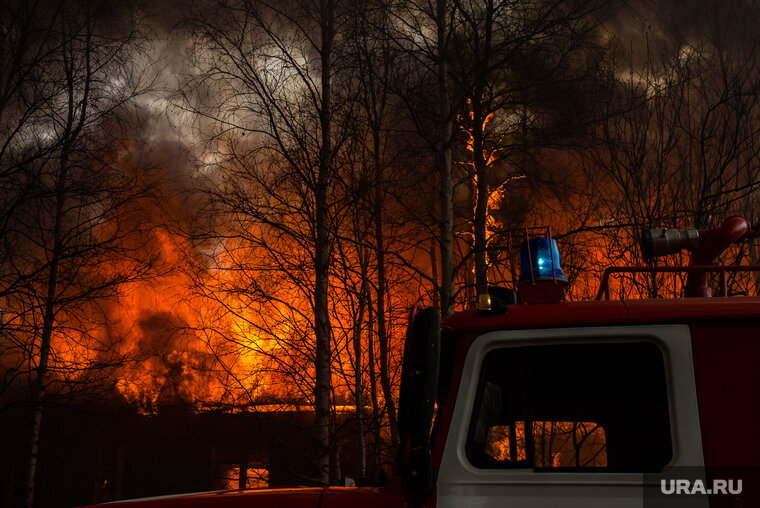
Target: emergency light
{"type": "Point", "coordinates": [541, 257]}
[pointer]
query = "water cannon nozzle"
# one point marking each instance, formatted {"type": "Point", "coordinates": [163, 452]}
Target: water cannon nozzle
{"type": "Point", "coordinates": [661, 242]}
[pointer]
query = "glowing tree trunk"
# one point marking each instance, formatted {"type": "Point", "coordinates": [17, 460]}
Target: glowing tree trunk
{"type": "Point", "coordinates": [481, 206]}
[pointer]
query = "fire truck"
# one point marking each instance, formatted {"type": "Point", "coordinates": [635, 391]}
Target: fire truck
{"type": "Point", "coordinates": [533, 401]}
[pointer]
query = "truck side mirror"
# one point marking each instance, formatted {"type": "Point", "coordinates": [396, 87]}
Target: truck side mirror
{"type": "Point", "coordinates": [419, 386]}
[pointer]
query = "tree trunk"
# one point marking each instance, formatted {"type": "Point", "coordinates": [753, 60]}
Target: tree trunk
{"type": "Point", "coordinates": [30, 466]}
{"type": "Point", "coordinates": [358, 367]}
{"type": "Point", "coordinates": [444, 167]}
{"type": "Point", "coordinates": [373, 382]}
{"type": "Point", "coordinates": [243, 476]}
{"type": "Point", "coordinates": [480, 162]}
{"type": "Point", "coordinates": [74, 127]}
{"type": "Point", "coordinates": [323, 331]}
{"type": "Point", "coordinates": [434, 272]}
{"type": "Point", "coordinates": [382, 337]}
{"type": "Point", "coordinates": [322, 381]}
{"type": "Point", "coordinates": [481, 204]}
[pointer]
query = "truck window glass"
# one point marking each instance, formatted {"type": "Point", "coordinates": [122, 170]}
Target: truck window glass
{"type": "Point", "coordinates": [572, 407]}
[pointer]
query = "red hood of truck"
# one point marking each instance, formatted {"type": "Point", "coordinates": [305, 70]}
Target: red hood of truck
{"type": "Point", "coordinates": [285, 498]}
{"type": "Point", "coordinates": [332, 497]}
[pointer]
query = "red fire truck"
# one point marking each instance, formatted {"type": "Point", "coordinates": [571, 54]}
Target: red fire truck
{"type": "Point", "coordinates": [533, 401]}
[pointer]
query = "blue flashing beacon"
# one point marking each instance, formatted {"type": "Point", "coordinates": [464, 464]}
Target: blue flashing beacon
{"type": "Point", "coordinates": [544, 254]}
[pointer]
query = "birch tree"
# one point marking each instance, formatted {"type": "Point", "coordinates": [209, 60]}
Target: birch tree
{"type": "Point", "coordinates": [268, 71]}
{"type": "Point", "coordinates": [67, 232]}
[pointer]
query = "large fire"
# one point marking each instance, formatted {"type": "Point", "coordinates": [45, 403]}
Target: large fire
{"type": "Point", "coordinates": [184, 348]}
{"type": "Point", "coordinates": [178, 344]}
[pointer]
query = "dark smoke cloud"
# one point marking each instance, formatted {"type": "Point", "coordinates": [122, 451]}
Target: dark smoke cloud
{"type": "Point", "coordinates": [661, 29]}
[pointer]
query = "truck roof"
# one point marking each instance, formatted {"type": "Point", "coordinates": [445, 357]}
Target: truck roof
{"type": "Point", "coordinates": [606, 312]}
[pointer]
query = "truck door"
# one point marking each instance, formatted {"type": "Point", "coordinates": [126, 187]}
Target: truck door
{"type": "Point", "coordinates": [585, 417]}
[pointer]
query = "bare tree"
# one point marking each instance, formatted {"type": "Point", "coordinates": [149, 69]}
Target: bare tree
{"type": "Point", "coordinates": [67, 232]}
{"type": "Point", "coordinates": [373, 55]}
{"type": "Point", "coordinates": [515, 59]}
{"type": "Point", "coordinates": [679, 143]}
{"type": "Point", "coordinates": [275, 67]}
{"type": "Point", "coordinates": [422, 32]}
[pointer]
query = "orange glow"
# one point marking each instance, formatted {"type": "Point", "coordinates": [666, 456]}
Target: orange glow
{"type": "Point", "coordinates": [556, 444]}
{"type": "Point", "coordinates": [256, 478]}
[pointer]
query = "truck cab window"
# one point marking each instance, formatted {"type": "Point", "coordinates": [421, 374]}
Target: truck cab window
{"type": "Point", "coordinates": [572, 407]}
